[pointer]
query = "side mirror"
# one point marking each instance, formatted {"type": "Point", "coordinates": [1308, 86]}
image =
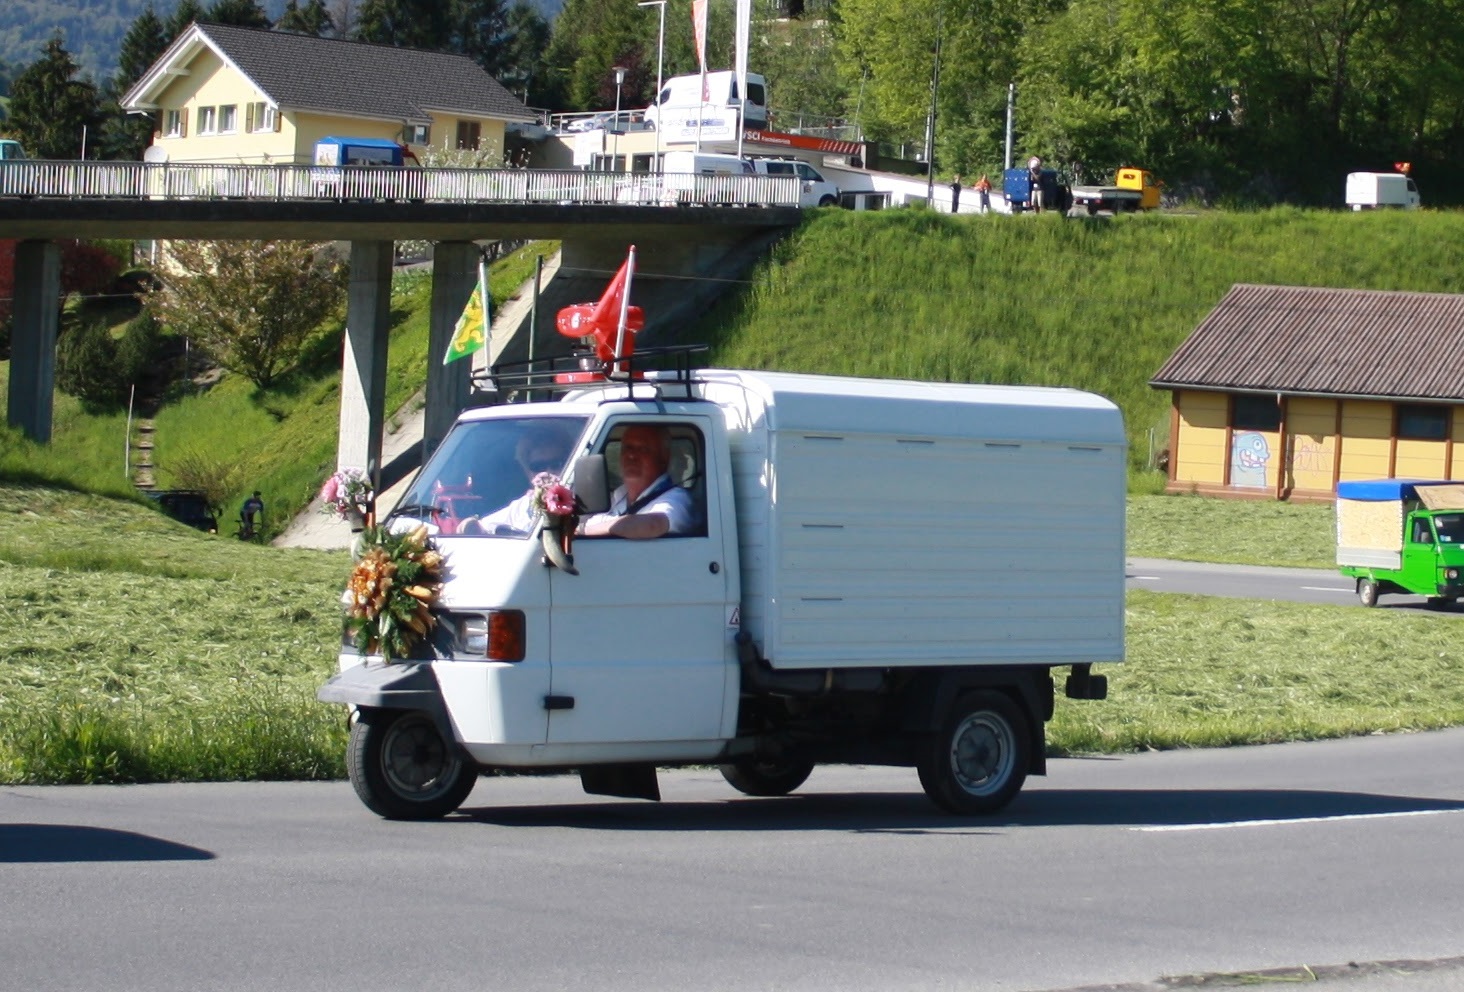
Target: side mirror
{"type": "Point", "coordinates": [590, 485]}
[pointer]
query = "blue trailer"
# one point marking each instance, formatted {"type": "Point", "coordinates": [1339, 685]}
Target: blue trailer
{"type": "Point", "coordinates": [1016, 186]}
{"type": "Point", "coordinates": [333, 151]}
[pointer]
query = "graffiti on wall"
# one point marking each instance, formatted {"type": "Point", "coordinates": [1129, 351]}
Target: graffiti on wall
{"type": "Point", "coordinates": [1249, 454]}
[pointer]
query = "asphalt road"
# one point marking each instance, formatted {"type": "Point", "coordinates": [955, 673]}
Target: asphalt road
{"type": "Point", "coordinates": [1109, 873]}
{"type": "Point", "coordinates": [1301, 585]}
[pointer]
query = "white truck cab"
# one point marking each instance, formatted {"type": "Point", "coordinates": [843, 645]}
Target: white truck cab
{"type": "Point", "coordinates": [682, 109]}
{"type": "Point", "coordinates": [878, 572]}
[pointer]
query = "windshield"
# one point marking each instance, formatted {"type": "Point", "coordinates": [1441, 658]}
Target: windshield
{"type": "Point", "coordinates": [1450, 527]}
{"type": "Point", "coordinates": [478, 482]}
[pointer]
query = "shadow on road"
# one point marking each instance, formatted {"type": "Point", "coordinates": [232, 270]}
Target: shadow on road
{"type": "Point", "coordinates": [912, 813]}
{"type": "Point", "coordinates": [48, 842]}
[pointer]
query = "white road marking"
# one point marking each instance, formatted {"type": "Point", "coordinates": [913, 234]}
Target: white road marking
{"type": "Point", "coordinates": [1177, 827]}
{"type": "Point", "coordinates": [1145, 578]}
{"type": "Point", "coordinates": [1329, 589]}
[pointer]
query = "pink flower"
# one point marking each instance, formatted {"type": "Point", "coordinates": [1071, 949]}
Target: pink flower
{"type": "Point", "coordinates": [558, 500]}
{"type": "Point", "coordinates": [329, 490]}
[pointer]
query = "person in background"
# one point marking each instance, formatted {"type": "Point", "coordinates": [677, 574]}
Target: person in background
{"type": "Point", "coordinates": [648, 503]}
{"type": "Point", "coordinates": [1034, 179]}
{"type": "Point", "coordinates": [983, 192]}
{"type": "Point", "coordinates": [956, 194]}
{"type": "Point", "coordinates": [251, 515]}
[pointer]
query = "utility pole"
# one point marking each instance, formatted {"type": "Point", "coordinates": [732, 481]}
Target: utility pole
{"type": "Point", "coordinates": [930, 121]}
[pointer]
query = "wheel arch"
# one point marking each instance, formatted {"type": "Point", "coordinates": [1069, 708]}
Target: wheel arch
{"type": "Point", "coordinates": [380, 686]}
{"type": "Point", "coordinates": [929, 698]}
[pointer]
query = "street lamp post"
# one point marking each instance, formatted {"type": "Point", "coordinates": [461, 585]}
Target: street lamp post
{"type": "Point", "coordinates": [660, 52]}
{"type": "Point", "coordinates": [615, 147]}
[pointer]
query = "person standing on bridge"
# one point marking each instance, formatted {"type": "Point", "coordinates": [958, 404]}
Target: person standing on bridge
{"type": "Point", "coordinates": [956, 194]}
{"type": "Point", "coordinates": [983, 191]}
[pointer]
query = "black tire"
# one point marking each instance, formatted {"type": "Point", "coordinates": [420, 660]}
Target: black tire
{"type": "Point", "coordinates": [827, 201]}
{"type": "Point", "coordinates": [766, 778]}
{"type": "Point", "coordinates": [403, 769]}
{"type": "Point", "coordinates": [1367, 592]}
{"type": "Point", "coordinates": [978, 761]}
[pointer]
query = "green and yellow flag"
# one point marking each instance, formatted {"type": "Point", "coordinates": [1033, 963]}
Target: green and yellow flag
{"type": "Point", "coordinates": [471, 332]}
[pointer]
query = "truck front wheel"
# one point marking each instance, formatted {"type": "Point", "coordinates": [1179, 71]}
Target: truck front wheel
{"type": "Point", "coordinates": [978, 760]}
{"type": "Point", "coordinates": [753, 777]}
{"type": "Point", "coordinates": [403, 769]}
{"type": "Point", "coordinates": [1367, 592]}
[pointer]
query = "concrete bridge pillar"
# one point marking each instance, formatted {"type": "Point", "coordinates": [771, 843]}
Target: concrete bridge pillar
{"type": "Point", "coordinates": [33, 338]}
{"type": "Point", "coordinates": [363, 367]}
{"type": "Point", "coordinates": [454, 276]}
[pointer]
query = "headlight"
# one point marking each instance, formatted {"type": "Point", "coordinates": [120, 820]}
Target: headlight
{"type": "Point", "coordinates": [1451, 573]}
{"type": "Point", "coordinates": [496, 636]}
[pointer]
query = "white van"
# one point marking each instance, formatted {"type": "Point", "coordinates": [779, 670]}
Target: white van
{"type": "Point", "coordinates": [813, 191]}
{"type": "Point", "coordinates": [677, 108]}
{"type": "Point", "coordinates": [701, 177]}
{"type": "Point", "coordinates": [1371, 190]}
{"type": "Point", "coordinates": [825, 602]}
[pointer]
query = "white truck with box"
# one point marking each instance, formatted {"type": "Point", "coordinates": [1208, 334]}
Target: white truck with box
{"type": "Point", "coordinates": [881, 572]}
{"type": "Point", "coordinates": [1371, 190]}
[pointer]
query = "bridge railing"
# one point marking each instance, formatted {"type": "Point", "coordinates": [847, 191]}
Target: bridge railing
{"type": "Point", "coordinates": [187, 181]}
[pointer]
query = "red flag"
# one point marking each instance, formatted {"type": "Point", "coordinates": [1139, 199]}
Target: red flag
{"type": "Point", "coordinates": [600, 321]}
{"type": "Point", "coordinates": [1403, 167]}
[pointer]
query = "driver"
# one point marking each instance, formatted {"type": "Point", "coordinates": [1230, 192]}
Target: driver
{"type": "Point", "coordinates": [541, 449]}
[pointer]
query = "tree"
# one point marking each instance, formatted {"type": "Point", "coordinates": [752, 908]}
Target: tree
{"type": "Point", "coordinates": [404, 23]}
{"type": "Point", "coordinates": [124, 135]}
{"type": "Point", "coordinates": [522, 69]}
{"type": "Point", "coordinates": [240, 13]}
{"type": "Point", "coordinates": [591, 38]}
{"type": "Point", "coordinates": [184, 14]}
{"type": "Point", "coordinates": [479, 30]}
{"type": "Point", "coordinates": [313, 18]}
{"type": "Point", "coordinates": [252, 304]}
{"type": "Point", "coordinates": [49, 108]}
{"type": "Point", "coordinates": [86, 365]}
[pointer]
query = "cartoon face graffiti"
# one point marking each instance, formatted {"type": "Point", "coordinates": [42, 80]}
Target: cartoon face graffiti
{"type": "Point", "coordinates": [1249, 453]}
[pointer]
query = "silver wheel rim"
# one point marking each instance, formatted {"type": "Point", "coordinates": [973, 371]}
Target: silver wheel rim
{"type": "Point", "coordinates": [983, 754]}
{"type": "Point", "coordinates": [415, 760]}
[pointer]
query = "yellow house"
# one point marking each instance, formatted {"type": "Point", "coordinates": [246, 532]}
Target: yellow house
{"type": "Point", "coordinates": [1284, 391]}
{"type": "Point", "coordinates": [254, 96]}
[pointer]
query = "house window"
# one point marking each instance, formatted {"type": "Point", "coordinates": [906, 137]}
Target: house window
{"type": "Point", "coordinates": [468, 134]}
{"type": "Point", "coordinates": [607, 163]}
{"type": "Point", "coordinates": [1417, 422]}
{"type": "Point", "coordinates": [417, 134]}
{"type": "Point", "coordinates": [173, 124]}
{"type": "Point", "coordinates": [259, 116]}
{"type": "Point", "coordinates": [1255, 413]}
{"type": "Point", "coordinates": [208, 120]}
{"type": "Point", "coordinates": [228, 119]}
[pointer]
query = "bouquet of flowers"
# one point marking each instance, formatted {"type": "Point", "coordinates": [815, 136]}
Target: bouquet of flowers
{"type": "Point", "coordinates": [347, 493]}
{"type": "Point", "coordinates": [552, 497]}
{"type": "Point", "coordinates": [391, 590]}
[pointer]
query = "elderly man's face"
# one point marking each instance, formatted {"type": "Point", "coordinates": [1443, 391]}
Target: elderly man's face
{"type": "Point", "coordinates": [643, 457]}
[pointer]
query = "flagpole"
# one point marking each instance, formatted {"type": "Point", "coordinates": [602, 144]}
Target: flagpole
{"type": "Point", "coordinates": [624, 308]}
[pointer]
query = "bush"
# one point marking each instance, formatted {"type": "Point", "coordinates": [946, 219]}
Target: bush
{"type": "Point", "coordinates": [87, 366]}
{"type": "Point", "coordinates": [139, 352]}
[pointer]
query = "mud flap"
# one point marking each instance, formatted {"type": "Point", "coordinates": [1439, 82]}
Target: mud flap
{"type": "Point", "coordinates": [631, 781]}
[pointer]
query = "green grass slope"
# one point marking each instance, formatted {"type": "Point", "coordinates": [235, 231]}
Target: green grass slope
{"type": "Point", "coordinates": [1097, 304]}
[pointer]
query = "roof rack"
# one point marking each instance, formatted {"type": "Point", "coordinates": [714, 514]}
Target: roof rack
{"type": "Point", "coordinates": [582, 368]}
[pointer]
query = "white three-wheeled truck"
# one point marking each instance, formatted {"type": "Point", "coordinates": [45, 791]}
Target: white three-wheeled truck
{"type": "Point", "coordinates": [881, 572]}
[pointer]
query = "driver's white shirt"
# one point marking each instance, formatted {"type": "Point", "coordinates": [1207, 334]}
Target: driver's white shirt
{"type": "Point", "coordinates": [673, 501]}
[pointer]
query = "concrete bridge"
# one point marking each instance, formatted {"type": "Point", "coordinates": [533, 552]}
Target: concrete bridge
{"type": "Point", "coordinates": [595, 218]}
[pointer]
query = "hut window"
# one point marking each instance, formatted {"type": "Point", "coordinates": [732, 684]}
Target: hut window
{"type": "Point", "coordinates": [1422, 423]}
{"type": "Point", "coordinates": [1255, 413]}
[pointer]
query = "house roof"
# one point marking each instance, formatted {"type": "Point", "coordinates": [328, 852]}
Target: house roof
{"type": "Point", "coordinates": [336, 76]}
{"type": "Point", "coordinates": [1329, 342]}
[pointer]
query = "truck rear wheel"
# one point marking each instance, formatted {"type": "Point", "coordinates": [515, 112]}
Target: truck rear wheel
{"type": "Point", "coordinates": [403, 769]}
{"type": "Point", "coordinates": [1367, 592]}
{"type": "Point", "coordinates": [752, 777]}
{"type": "Point", "coordinates": [978, 760]}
